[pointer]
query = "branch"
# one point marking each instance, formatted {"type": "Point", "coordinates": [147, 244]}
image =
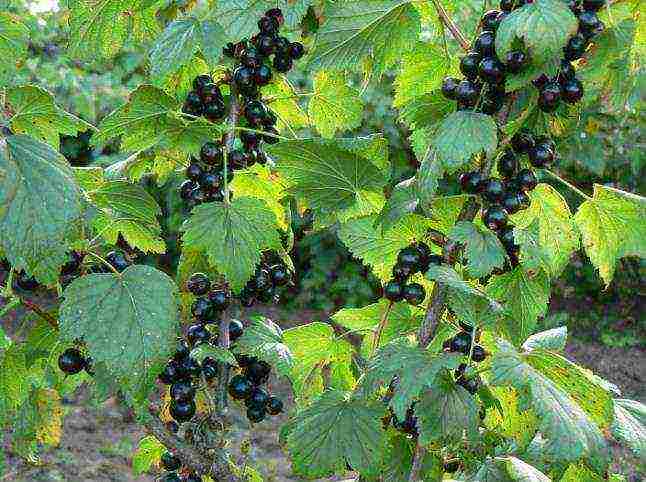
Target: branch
{"type": "Point", "coordinates": [433, 315]}
{"type": "Point", "coordinates": [40, 312]}
{"type": "Point", "coordinates": [416, 469]}
{"type": "Point", "coordinates": [450, 24]}
{"type": "Point", "coordinates": [222, 396]}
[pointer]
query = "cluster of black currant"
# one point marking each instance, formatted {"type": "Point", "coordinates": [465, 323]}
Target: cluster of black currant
{"type": "Point", "coordinates": [72, 361]}
{"type": "Point", "coordinates": [172, 465]}
{"type": "Point", "coordinates": [205, 177]}
{"type": "Point", "coordinates": [69, 272]}
{"type": "Point", "coordinates": [508, 195]}
{"type": "Point", "coordinates": [247, 386]}
{"type": "Point", "coordinates": [413, 259]}
{"type": "Point", "coordinates": [461, 343]}
{"type": "Point", "coordinates": [270, 275]}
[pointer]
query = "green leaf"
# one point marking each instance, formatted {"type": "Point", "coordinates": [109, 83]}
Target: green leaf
{"type": "Point", "coordinates": [556, 237]}
{"type": "Point", "coordinates": [544, 26]}
{"type": "Point", "coordinates": [128, 321]}
{"type": "Point", "coordinates": [445, 412]}
{"type": "Point", "coordinates": [334, 431]}
{"type": "Point", "coordinates": [416, 370]}
{"type": "Point", "coordinates": [44, 210]}
{"type": "Point", "coordinates": [35, 113]}
{"type": "Point", "coordinates": [14, 37]}
{"type": "Point", "coordinates": [483, 250]}
{"type": "Point", "coordinates": [239, 17]}
{"type": "Point", "coordinates": [102, 27]}
{"type": "Point", "coordinates": [612, 226]}
{"type": "Point", "coordinates": [448, 276]}
{"type": "Point", "coordinates": [629, 425]}
{"type": "Point", "coordinates": [569, 431]}
{"type": "Point", "coordinates": [357, 32]}
{"type": "Point", "coordinates": [553, 339]}
{"type": "Point", "coordinates": [525, 294]}
{"type": "Point", "coordinates": [314, 347]}
{"type": "Point", "coordinates": [148, 453]}
{"type": "Point", "coordinates": [422, 71]}
{"type": "Point", "coordinates": [379, 250]}
{"type": "Point", "coordinates": [146, 121]}
{"type": "Point", "coordinates": [264, 339]}
{"type": "Point", "coordinates": [284, 103]}
{"type": "Point", "coordinates": [13, 382]}
{"type": "Point", "coordinates": [426, 111]}
{"type": "Point", "coordinates": [330, 176]}
{"type": "Point", "coordinates": [127, 209]}
{"type": "Point", "coordinates": [403, 200]}
{"type": "Point", "coordinates": [403, 319]}
{"type": "Point", "coordinates": [220, 354]}
{"type": "Point", "coordinates": [233, 236]}
{"type": "Point", "coordinates": [335, 106]}
{"type": "Point", "coordinates": [575, 473]}
{"type": "Point", "coordinates": [521, 471]}
{"type": "Point", "coordinates": [461, 135]}
{"type": "Point", "coordinates": [175, 46]}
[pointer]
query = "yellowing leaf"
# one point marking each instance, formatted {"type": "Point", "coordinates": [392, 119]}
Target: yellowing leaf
{"type": "Point", "coordinates": [335, 105]}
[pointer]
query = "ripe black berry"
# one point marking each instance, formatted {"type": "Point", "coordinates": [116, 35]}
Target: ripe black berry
{"type": "Point", "coordinates": [449, 87]}
{"type": "Point", "coordinates": [170, 462]}
{"type": "Point", "coordinates": [414, 293]}
{"type": "Point", "coordinates": [549, 97]}
{"type": "Point", "coordinates": [478, 354]}
{"type": "Point", "coordinates": [198, 284]}
{"type": "Point", "coordinates": [409, 256]}
{"type": "Point", "coordinates": [239, 387]}
{"type": "Point", "coordinates": [469, 64]}
{"type": "Point", "coordinates": [71, 361]}
{"type": "Point", "coordinates": [401, 272]}
{"type": "Point", "coordinates": [263, 75]}
{"type": "Point", "coordinates": [495, 217]}
{"type": "Point", "coordinates": [210, 93]}
{"type": "Point", "coordinates": [189, 367]}
{"type": "Point", "coordinates": [485, 44]}
{"type": "Point", "coordinates": [182, 391]}
{"type": "Point", "coordinates": [215, 111]}
{"type": "Point", "coordinates": [250, 139]}
{"type": "Point", "coordinates": [588, 21]}
{"type": "Point", "coordinates": [258, 398]}
{"type": "Point", "coordinates": [296, 50]}
{"type": "Point", "coordinates": [258, 372]}
{"type": "Point", "coordinates": [471, 182]}
{"type": "Point", "coordinates": [394, 291]}
{"type": "Point", "coordinates": [490, 20]}
{"type": "Point", "coordinates": [236, 329]}
{"type": "Point", "coordinates": [186, 189]}
{"type": "Point", "coordinates": [200, 81]}
{"type": "Point", "coordinates": [209, 368]}
{"type": "Point", "coordinates": [201, 309]}
{"type": "Point", "coordinates": [193, 99]}
{"type": "Point", "coordinates": [117, 260]}
{"type": "Point", "coordinates": [283, 63]}
{"type": "Point", "coordinates": [467, 93]}
{"type": "Point", "coordinates": [198, 334]}
{"type": "Point", "coordinates": [522, 141]}
{"type": "Point", "coordinates": [506, 236]}
{"type": "Point", "coordinates": [182, 411]}
{"type": "Point", "coordinates": [471, 385]}
{"type": "Point", "coordinates": [255, 112]}
{"type": "Point", "coordinates": [279, 275]}
{"type": "Point", "coordinates": [182, 350]}
{"type": "Point", "coordinates": [461, 343]}
{"type": "Point", "coordinates": [493, 190]}
{"type": "Point", "coordinates": [266, 45]}
{"type": "Point", "coordinates": [237, 159]}
{"type": "Point", "coordinates": [566, 72]}
{"type": "Point", "coordinates": [268, 25]}
{"type": "Point", "coordinates": [244, 79]}
{"type": "Point", "coordinates": [211, 154]}
{"type": "Point", "coordinates": [274, 406]}
{"type": "Point", "coordinates": [572, 91]}
{"type": "Point", "coordinates": [193, 171]}
{"type": "Point", "coordinates": [527, 180]}
{"type": "Point", "coordinates": [491, 70]}
{"type": "Point", "coordinates": [507, 164]}
{"type": "Point", "coordinates": [219, 299]}
{"type": "Point", "coordinates": [211, 181]}
{"type": "Point", "coordinates": [170, 374]}
{"type": "Point", "coordinates": [516, 61]}
{"type": "Point", "coordinates": [575, 47]}
{"type": "Point", "coordinates": [593, 5]}
{"type": "Point", "coordinates": [540, 155]}
{"type": "Point", "coordinates": [256, 414]}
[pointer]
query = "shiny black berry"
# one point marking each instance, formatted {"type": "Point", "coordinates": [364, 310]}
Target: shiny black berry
{"type": "Point", "coordinates": [485, 44]}
{"type": "Point", "coordinates": [210, 368]}
{"type": "Point", "coordinates": [469, 64]}
{"type": "Point", "coordinates": [516, 61]}
{"type": "Point", "coordinates": [268, 25]}
{"type": "Point", "coordinates": [478, 354]}
{"type": "Point", "coordinates": [296, 50]}
{"type": "Point", "coordinates": [449, 87]}
{"type": "Point", "coordinates": [572, 91]}
{"type": "Point", "coordinates": [182, 391]}
{"type": "Point", "coordinates": [236, 330]}
{"type": "Point", "coordinates": [198, 334]}
{"type": "Point", "coordinates": [588, 21]}
{"type": "Point", "coordinates": [71, 361]}
{"type": "Point", "coordinates": [506, 236]}
{"type": "Point", "coordinates": [182, 411]}
{"type": "Point", "coordinates": [274, 406]}
{"type": "Point", "coordinates": [255, 112]}
{"type": "Point", "coordinates": [250, 139]}
{"type": "Point", "coordinates": [491, 70]}
{"type": "Point", "coordinates": [566, 72]}
{"type": "Point", "coordinates": [215, 111]}
{"type": "Point", "coordinates": [283, 63]}
{"type": "Point", "coordinates": [182, 350]}
{"type": "Point", "coordinates": [461, 343]}
{"type": "Point", "coordinates": [171, 373]}
{"type": "Point", "coordinates": [549, 97]}
{"type": "Point", "coordinates": [263, 75]}
{"type": "Point", "coordinates": [186, 189]}
{"type": "Point", "coordinates": [219, 299]}
{"type": "Point", "coordinates": [471, 182]}
{"type": "Point", "coordinates": [495, 217]}
{"type": "Point", "coordinates": [511, 202]}
{"type": "Point", "coordinates": [256, 414]}
{"type": "Point", "coordinates": [394, 291]}
{"type": "Point", "coordinates": [193, 171]}
{"type": "Point", "coordinates": [508, 164]}
{"type": "Point", "coordinates": [210, 94]}
{"type": "Point", "coordinates": [401, 272]}
{"type": "Point", "coordinates": [490, 20]}
{"type": "Point", "coordinates": [211, 154]}
{"type": "Point", "coordinates": [266, 44]}
{"type": "Point", "coordinates": [414, 293]}
{"type": "Point", "coordinates": [257, 398]}
{"type": "Point", "coordinates": [258, 372]}
{"type": "Point", "coordinates": [170, 462]}
{"type": "Point", "coordinates": [118, 260]}
{"type": "Point", "coordinates": [211, 181]}
{"type": "Point", "coordinates": [410, 256]}
{"type": "Point", "coordinates": [198, 284]}
{"type": "Point", "coordinates": [493, 190]}
{"type": "Point", "coordinates": [522, 141]}
{"type": "Point", "coordinates": [200, 81]}
{"type": "Point", "coordinates": [467, 93]}
{"type": "Point", "coordinates": [575, 47]}
{"type": "Point", "coordinates": [239, 387]}
{"type": "Point", "coordinates": [527, 180]}
{"type": "Point", "coordinates": [244, 79]}
{"type": "Point", "coordinates": [540, 155]}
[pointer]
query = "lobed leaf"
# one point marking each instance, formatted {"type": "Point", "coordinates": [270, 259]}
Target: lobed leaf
{"type": "Point", "coordinates": [629, 424]}
{"type": "Point", "coordinates": [264, 339]}
{"type": "Point", "coordinates": [14, 38]}
{"type": "Point", "coordinates": [335, 106]}
{"type": "Point", "coordinates": [483, 251]}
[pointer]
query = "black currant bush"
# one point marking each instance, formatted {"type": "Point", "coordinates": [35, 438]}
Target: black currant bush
{"type": "Point", "coordinates": [447, 373]}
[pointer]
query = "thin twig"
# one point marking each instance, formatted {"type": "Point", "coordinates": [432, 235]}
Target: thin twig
{"type": "Point", "coordinates": [450, 24]}
{"type": "Point", "coordinates": [433, 315]}
{"type": "Point", "coordinates": [575, 189]}
{"type": "Point", "coordinates": [221, 401]}
{"type": "Point", "coordinates": [230, 136]}
{"type": "Point", "coordinates": [416, 469]}
{"type": "Point", "coordinates": [40, 312]}
{"type": "Point", "coordinates": [382, 325]}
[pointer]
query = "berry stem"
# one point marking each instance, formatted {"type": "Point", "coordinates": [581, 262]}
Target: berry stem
{"type": "Point", "coordinates": [264, 133]}
{"type": "Point", "coordinates": [558, 178]}
{"type": "Point", "coordinates": [112, 268]}
{"type": "Point", "coordinates": [229, 139]}
{"type": "Point", "coordinates": [269, 100]}
{"type": "Point", "coordinates": [40, 312]}
{"type": "Point", "coordinates": [416, 469]}
{"type": "Point", "coordinates": [450, 24]}
{"type": "Point", "coordinates": [380, 328]}
{"type": "Point", "coordinates": [223, 380]}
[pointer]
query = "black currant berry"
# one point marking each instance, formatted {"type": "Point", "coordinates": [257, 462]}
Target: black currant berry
{"type": "Point", "coordinates": [210, 368]}
{"type": "Point", "coordinates": [211, 181]}
{"type": "Point", "coordinates": [471, 182]}
{"type": "Point", "coordinates": [71, 361]}
{"type": "Point", "coordinates": [572, 91]}
{"type": "Point", "coordinates": [540, 81]}
{"type": "Point", "coordinates": [461, 343]}
{"type": "Point", "coordinates": [588, 21]}
{"type": "Point", "coordinates": [449, 87]}
{"type": "Point", "coordinates": [414, 293]}
{"type": "Point", "coordinates": [219, 299]}
{"type": "Point", "coordinates": [478, 354]}
{"type": "Point", "coordinates": [296, 50]}
{"type": "Point", "coordinates": [527, 180]}
{"type": "Point", "coordinates": [189, 367]}
{"type": "Point", "coordinates": [485, 44]}
{"type": "Point", "coordinates": [266, 45]}
{"type": "Point", "coordinates": [215, 111]}
{"type": "Point", "coordinates": [410, 256]}
{"type": "Point", "coordinates": [193, 99]}
{"type": "Point", "coordinates": [200, 81]}
{"type": "Point", "coordinates": [471, 385]}
{"type": "Point", "coordinates": [186, 189]}
{"type": "Point", "coordinates": [170, 462]}
{"type": "Point", "coordinates": [202, 309]}
{"type": "Point", "coordinates": [258, 372]}
{"type": "Point", "coordinates": [491, 70]}
{"type": "Point", "coordinates": [211, 154]}
{"type": "Point", "coordinates": [549, 97]}
{"type": "Point", "coordinates": [593, 5]}
{"type": "Point", "coordinates": [210, 94]}
{"type": "Point", "coordinates": [508, 164]}
{"type": "Point", "coordinates": [117, 260]}
{"type": "Point", "coordinates": [198, 284]}
{"type": "Point", "coordinates": [182, 391]}
{"type": "Point", "coordinates": [540, 155]}
{"type": "Point", "coordinates": [250, 139]}
{"type": "Point", "coordinates": [279, 275]}
{"type": "Point", "coordinates": [401, 272]}
{"type": "Point", "coordinates": [516, 61]}
{"type": "Point", "coordinates": [182, 411]}
{"type": "Point", "coordinates": [256, 414]}
{"type": "Point", "coordinates": [73, 264]}
{"type": "Point", "coordinates": [268, 25]}
{"type": "Point", "coordinates": [263, 75]}
{"type": "Point", "coordinates": [469, 65]}
{"type": "Point", "coordinates": [258, 398]}
{"type": "Point", "coordinates": [182, 350]}
{"type": "Point", "coordinates": [493, 190]}
{"type": "Point", "coordinates": [394, 291]}
{"type": "Point", "coordinates": [198, 334]}
{"type": "Point", "coordinates": [237, 159]}
{"type": "Point", "coordinates": [511, 202]}
{"type": "Point", "coordinates": [566, 72]}
{"type": "Point", "coordinates": [170, 374]}
{"type": "Point", "coordinates": [522, 141]}
{"type": "Point", "coordinates": [283, 63]}
{"type": "Point", "coordinates": [193, 171]}
{"type": "Point", "coordinates": [575, 47]}
{"type": "Point", "coordinates": [506, 236]}
{"type": "Point", "coordinates": [244, 79]}
{"type": "Point", "coordinates": [274, 406]}
{"type": "Point", "coordinates": [240, 387]}
{"type": "Point", "coordinates": [236, 330]}
{"type": "Point", "coordinates": [255, 112]}
{"type": "Point", "coordinates": [495, 217]}
{"type": "Point", "coordinates": [490, 20]}
{"type": "Point", "coordinates": [467, 93]}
